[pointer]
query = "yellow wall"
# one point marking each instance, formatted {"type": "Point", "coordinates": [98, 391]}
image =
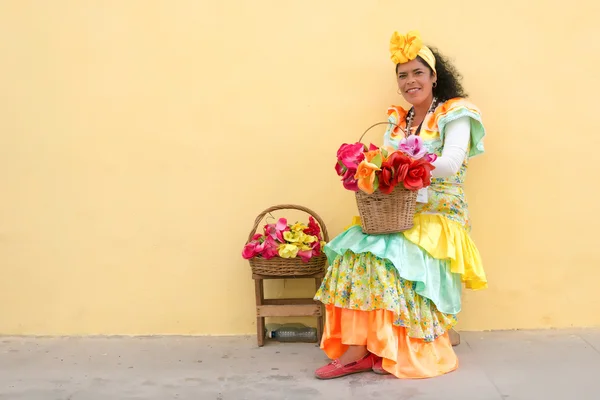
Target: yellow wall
{"type": "Point", "coordinates": [139, 140]}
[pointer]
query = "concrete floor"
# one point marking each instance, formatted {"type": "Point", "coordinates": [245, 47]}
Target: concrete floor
{"type": "Point", "coordinates": [521, 365]}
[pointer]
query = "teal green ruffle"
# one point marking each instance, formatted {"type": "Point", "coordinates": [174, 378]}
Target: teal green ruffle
{"type": "Point", "coordinates": [477, 128]}
{"type": "Point", "coordinates": [432, 276]}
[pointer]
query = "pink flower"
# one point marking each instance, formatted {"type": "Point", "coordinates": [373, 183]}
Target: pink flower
{"type": "Point", "coordinates": [349, 181]}
{"type": "Point", "coordinates": [275, 231]}
{"type": "Point", "coordinates": [348, 158]}
{"type": "Point", "coordinates": [350, 155]}
{"type": "Point", "coordinates": [250, 250]}
{"type": "Point", "coordinates": [430, 157]}
{"type": "Point", "coordinates": [306, 255]}
{"type": "Point", "coordinates": [316, 246]}
{"type": "Point", "coordinates": [340, 168]}
{"type": "Point", "coordinates": [314, 251]}
{"type": "Point", "coordinates": [257, 237]}
{"type": "Point", "coordinates": [255, 247]}
{"type": "Point", "coordinates": [270, 248]}
{"type": "Point", "coordinates": [413, 146]}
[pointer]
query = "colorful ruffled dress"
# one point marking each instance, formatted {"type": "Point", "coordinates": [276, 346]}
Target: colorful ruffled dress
{"type": "Point", "coordinates": [399, 294]}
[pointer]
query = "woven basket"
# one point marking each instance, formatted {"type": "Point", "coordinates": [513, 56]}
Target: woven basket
{"type": "Point", "coordinates": [386, 213]}
{"type": "Point", "coordinates": [293, 267]}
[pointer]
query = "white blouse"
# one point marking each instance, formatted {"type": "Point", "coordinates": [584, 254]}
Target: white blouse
{"type": "Point", "coordinates": [456, 141]}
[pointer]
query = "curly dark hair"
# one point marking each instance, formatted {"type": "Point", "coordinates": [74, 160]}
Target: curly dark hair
{"type": "Point", "coordinates": [448, 78]}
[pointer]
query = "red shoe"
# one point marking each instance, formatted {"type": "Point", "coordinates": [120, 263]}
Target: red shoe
{"type": "Point", "coordinates": [378, 366]}
{"type": "Point", "coordinates": [336, 370]}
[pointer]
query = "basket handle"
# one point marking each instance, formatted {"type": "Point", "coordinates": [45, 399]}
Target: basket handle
{"type": "Point", "coordinates": [289, 207]}
{"type": "Point", "coordinates": [379, 123]}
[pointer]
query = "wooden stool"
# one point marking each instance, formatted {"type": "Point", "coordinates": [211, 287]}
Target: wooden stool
{"type": "Point", "coordinates": [303, 307]}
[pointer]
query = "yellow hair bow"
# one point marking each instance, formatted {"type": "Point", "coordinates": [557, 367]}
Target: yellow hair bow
{"type": "Point", "coordinates": [405, 48]}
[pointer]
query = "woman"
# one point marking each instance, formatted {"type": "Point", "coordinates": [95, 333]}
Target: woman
{"type": "Point", "coordinates": [391, 299]}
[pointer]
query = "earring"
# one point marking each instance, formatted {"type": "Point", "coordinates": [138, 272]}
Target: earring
{"type": "Point", "coordinates": [434, 84]}
{"type": "Point", "coordinates": [398, 91]}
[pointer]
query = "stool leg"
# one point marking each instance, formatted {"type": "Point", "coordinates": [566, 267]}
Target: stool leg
{"type": "Point", "coordinates": [260, 321]}
{"type": "Point", "coordinates": [321, 318]}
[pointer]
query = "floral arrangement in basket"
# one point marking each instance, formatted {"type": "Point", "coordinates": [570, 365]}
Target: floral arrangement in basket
{"type": "Point", "coordinates": [286, 240]}
{"type": "Point", "coordinates": [373, 168]}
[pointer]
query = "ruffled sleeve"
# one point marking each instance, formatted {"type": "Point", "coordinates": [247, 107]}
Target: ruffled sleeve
{"type": "Point", "coordinates": [397, 119]}
{"type": "Point", "coordinates": [454, 109]}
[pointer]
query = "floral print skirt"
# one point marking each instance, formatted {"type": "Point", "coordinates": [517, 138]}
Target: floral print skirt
{"type": "Point", "coordinates": [368, 303]}
{"type": "Point", "coordinates": [365, 282]}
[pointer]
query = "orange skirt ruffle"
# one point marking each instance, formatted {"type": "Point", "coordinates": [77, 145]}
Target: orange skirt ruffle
{"type": "Point", "coordinates": [404, 357]}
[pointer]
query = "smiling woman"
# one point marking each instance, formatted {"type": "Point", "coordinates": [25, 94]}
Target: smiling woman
{"type": "Point", "coordinates": [392, 299]}
{"type": "Point", "coordinates": [444, 80]}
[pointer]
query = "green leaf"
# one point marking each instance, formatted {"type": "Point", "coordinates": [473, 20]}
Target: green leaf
{"type": "Point", "coordinates": [384, 152]}
{"type": "Point", "coordinates": [375, 184]}
{"type": "Point", "coordinates": [377, 160]}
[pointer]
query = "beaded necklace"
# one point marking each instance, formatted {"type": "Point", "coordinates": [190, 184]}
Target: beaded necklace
{"type": "Point", "coordinates": [411, 115]}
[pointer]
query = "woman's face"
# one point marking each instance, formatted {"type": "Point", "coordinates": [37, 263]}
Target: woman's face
{"type": "Point", "coordinates": [415, 81]}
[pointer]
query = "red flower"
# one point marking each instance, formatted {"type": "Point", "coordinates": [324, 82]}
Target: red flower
{"type": "Point", "coordinates": [313, 228]}
{"type": "Point", "coordinates": [386, 179]}
{"type": "Point", "coordinates": [393, 171]}
{"type": "Point", "coordinates": [419, 174]}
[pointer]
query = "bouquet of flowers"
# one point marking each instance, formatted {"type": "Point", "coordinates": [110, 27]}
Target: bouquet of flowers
{"type": "Point", "coordinates": [286, 241]}
{"type": "Point", "coordinates": [373, 168]}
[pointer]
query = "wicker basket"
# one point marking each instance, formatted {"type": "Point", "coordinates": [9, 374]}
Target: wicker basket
{"type": "Point", "coordinates": [386, 213]}
{"type": "Point", "coordinates": [293, 267]}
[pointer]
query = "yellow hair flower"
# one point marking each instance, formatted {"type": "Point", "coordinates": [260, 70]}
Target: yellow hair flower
{"type": "Point", "coordinates": [405, 48]}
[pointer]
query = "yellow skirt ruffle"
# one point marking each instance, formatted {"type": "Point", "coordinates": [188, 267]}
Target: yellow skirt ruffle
{"type": "Point", "coordinates": [446, 239]}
